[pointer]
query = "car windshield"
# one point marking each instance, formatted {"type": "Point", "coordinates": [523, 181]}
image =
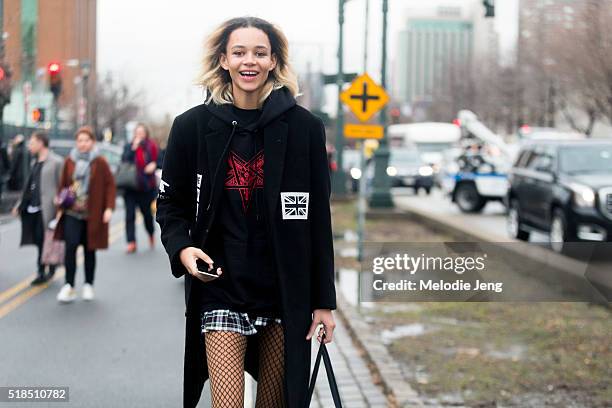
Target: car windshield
{"type": "Point", "coordinates": [404, 156]}
{"type": "Point", "coordinates": [586, 159]}
{"type": "Point", "coordinates": [434, 147]}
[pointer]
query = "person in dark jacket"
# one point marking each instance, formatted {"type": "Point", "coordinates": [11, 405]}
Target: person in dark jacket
{"type": "Point", "coordinates": [19, 158]}
{"type": "Point", "coordinates": [143, 153]}
{"type": "Point", "coordinates": [244, 212]}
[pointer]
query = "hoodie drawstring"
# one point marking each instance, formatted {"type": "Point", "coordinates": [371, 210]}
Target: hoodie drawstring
{"type": "Point", "coordinates": [229, 141]}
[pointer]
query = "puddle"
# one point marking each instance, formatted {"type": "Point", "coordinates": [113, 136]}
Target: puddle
{"type": "Point", "coordinates": [408, 330]}
{"type": "Point", "coordinates": [350, 252]}
{"type": "Point", "coordinates": [515, 352]}
{"type": "Point", "coordinates": [350, 236]}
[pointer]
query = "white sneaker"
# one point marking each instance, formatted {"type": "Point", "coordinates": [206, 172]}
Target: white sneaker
{"type": "Point", "coordinates": [88, 292]}
{"type": "Point", "coordinates": [67, 294]}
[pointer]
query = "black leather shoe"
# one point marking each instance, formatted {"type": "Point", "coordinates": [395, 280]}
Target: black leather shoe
{"type": "Point", "coordinates": [39, 280]}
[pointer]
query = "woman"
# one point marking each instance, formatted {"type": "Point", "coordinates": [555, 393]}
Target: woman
{"type": "Point", "coordinates": [244, 197]}
{"type": "Point", "coordinates": [85, 222]}
{"type": "Point", "coordinates": [143, 153]}
{"type": "Point", "coordinates": [36, 206]}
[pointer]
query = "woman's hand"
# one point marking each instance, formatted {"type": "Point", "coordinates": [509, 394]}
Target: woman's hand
{"type": "Point", "coordinates": [189, 257]}
{"type": "Point", "coordinates": [150, 168]}
{"type": "Point", "coordinates": [324, 317]}
{"type": "Point", "coordinates": [106, 217]}
{"type": "Point", "coordinates": [15, 211]}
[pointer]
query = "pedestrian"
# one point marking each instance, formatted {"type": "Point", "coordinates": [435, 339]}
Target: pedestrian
{"type": "Point", "coordinates": [244, 197]}
{"type": "Point", "coordinates": [142, 152]}
{"type": "Point", "coordinates": [5, 165]}
{"type": "Point", "coordinates": [36, 206]}
{"type": "Point", "coordinates": [19, 157]}
{"type": "Point", "coordinates": [85, 220]}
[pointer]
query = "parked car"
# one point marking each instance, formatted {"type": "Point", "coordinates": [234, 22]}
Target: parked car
{"type": "Point", "coordinates": [563, 188]}
{"type": "Point", "coordinates": [407, 169]}
{"type": "Point", "coordinates": [111, 152]}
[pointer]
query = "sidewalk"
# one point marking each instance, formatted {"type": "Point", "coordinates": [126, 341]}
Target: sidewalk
{"type": "Point", "coordinates": [355, 382]}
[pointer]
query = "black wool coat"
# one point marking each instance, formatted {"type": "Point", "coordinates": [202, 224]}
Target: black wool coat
{"type": "Point", "coordinates": [296, 173]}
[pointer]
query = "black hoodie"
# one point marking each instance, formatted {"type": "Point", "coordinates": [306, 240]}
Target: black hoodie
{"type": "Point", "coordinates": [249, 282]}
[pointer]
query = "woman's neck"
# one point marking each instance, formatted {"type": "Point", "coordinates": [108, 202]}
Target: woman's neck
{"type": "Point", "coordinates": [245, 100]}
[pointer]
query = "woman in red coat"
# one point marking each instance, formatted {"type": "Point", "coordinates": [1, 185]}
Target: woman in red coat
{"type": "Point", "coordinates": [85, 221]}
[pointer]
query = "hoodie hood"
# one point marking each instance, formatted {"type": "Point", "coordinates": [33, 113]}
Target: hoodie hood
{"type": "Point", "coordinates": [279, 101]}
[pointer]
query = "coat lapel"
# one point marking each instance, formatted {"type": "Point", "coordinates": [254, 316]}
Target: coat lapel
{"type": "Point", "coordinates": [275, 145]}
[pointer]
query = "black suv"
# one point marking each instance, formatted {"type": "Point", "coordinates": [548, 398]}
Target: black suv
{"type": "Point", "coordinates": [563, 188]}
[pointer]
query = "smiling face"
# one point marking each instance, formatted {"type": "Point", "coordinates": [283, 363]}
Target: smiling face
{"type": "Point", "coordinates": [249, 60]}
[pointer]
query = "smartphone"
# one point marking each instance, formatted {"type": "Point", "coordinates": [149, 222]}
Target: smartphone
{"type": "Point", "coordinates": [203, 269]}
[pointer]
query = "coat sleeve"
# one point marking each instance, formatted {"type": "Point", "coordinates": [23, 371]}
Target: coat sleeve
{"type": "Point", "coordinates": [174, 209]}
{"type": "Point", "coordinates": [109, 185]}
{"type": "Point", "coordinates": [65, 178]}
{"type": "Point", "coordinates": [323, 295]}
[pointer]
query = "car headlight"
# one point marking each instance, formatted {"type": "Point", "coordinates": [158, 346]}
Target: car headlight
{"type": "Point", "coordinates": [355, 173]}
{"type": "Point", "coordinates": [391, 171]}
{"type": "Point", "coordinates": [583, 196]}
{"type": "Point", "coordinates": [425, 171]}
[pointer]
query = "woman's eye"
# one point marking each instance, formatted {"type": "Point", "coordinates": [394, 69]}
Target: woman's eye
{"type": "Point", "coordinates": [261, 54]}
{"type": "Point", "coordinates": [237, 52]}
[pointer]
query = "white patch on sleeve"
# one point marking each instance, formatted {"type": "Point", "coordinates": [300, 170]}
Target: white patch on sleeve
{"type": "Point", "coordinates": [294, 205]}
{"type": "Point", "coordinates": [198, 184]}
{"type": "Point", "coordinates": [162, 186]}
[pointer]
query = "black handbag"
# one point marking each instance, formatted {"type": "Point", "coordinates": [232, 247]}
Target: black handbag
{"type": "Point", "coordinates": [126, 176]}
{"type": "Point", "coordinates": [331, 378]}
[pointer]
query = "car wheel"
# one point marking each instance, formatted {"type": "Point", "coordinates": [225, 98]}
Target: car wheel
{"type": "Point", "coordinates": [468, 199]}
{"type": "Point", "coordinates": [560, 235]}
{"type": "Point", "coordinates": [514, 223]}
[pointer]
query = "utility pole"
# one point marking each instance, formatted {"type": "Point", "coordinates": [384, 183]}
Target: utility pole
{"type": "Point", "coordinates": [365, 40]}
{"type": "Point", "coordinates": [381, 192]}
{"type": "Point", "coordinates": [339, 179]}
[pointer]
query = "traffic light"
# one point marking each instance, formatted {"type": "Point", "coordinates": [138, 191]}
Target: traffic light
{"type": "Point", "coordinates": [55, 79]}
{"type": "Point", "coordinates": [38, 115]}
{"type": "Point", "coordinates": [489, 8]}
{"type": "Point", "coordinates": [5, 84]}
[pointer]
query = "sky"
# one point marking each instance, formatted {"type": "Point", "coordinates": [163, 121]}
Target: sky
{"type": "Point", "coordinates": [156, 45]}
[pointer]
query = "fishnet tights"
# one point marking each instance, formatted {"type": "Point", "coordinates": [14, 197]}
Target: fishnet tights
{"type": "Point", "coordinates": [225, 354]}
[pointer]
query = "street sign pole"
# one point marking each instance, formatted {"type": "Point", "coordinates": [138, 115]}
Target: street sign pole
{"type": "Point", "coordinates": [339, 178]}
{"type": "Point", "coordinates": [381, 192]}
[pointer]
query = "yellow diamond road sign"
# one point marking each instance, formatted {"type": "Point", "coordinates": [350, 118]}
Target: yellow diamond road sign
{"type": "Point", "coordinates": [364, 97]}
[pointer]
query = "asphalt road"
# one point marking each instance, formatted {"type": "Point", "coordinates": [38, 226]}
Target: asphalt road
{"type": "Point", "coordinates": [492, 220]}
{"type": "Point", "coordinates": [124, 349]}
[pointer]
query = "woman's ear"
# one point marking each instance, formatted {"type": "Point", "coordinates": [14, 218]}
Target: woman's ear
{"type": "Point", "coordinates": [273, 66]}
{"type": "Point", "coordinates": [223, 62]}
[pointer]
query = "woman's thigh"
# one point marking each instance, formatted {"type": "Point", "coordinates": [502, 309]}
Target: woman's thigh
{"type": "Point", "coordinates": [225, 353]}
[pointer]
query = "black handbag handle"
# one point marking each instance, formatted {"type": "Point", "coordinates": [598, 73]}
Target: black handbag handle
{"type": "Point", "coordinates": [331, 378]}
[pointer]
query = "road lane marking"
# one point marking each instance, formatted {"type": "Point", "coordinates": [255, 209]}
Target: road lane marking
{"type": "Point", "coordinates": [115, 233]}
{"type": "Point", "coordinates": [9, 293]}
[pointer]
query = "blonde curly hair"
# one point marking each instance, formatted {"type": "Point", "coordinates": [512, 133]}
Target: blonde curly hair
{"type": "Point", "coordinates": [217, 82]}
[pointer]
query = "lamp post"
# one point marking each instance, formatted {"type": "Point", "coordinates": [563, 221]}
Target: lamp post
{"type": "Point", "coordinates": [381, 192]}
{"type": "Point", "coordinates": [339, 179]}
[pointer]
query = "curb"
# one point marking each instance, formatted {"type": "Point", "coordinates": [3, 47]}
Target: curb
{"type": "Point", "coordinates": [381, 364]}
{"type": "Point", "coordinates": [569, 267]}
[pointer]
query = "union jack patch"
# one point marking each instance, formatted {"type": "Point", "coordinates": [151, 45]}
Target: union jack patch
{"type": "Point", "coordinates": [294, 206]}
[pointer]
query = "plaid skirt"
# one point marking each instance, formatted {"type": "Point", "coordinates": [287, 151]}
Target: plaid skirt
{"type": "Point", "coordinates": [227, 320]}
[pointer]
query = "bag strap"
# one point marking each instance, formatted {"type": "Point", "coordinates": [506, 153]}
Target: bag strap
{"type": "Point", "coordinates": [331, 378]}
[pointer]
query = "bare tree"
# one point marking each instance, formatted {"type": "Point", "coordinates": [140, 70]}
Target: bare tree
{"type": "Point", "coordinates": [115, 104]}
